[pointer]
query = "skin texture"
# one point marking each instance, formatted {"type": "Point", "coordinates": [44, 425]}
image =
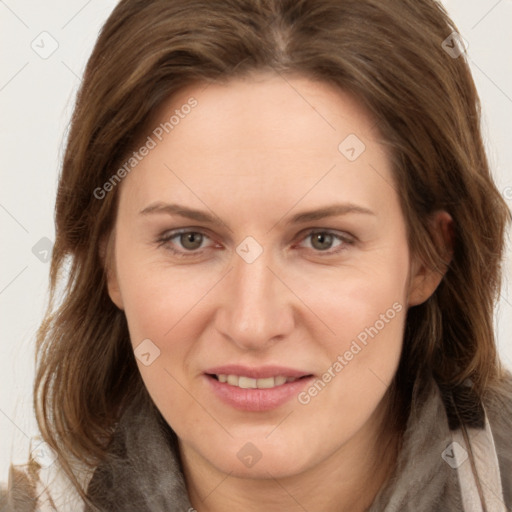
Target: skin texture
{"type": "Point", "coordinates": [255, 152]}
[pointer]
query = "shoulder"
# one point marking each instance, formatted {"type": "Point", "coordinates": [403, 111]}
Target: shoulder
{"type": "Point", "coordinates": [20, 492]}
{"type": "Point", "coordinates": [33, 487]}
{"type": "Point", "coordinates": [498, 406]}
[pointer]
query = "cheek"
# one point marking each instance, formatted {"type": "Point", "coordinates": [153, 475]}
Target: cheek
{"type": "Point", "coordinates": [166, 311]}
{"type": "Point", "coordinates": [158, 298]}
{"type": "Point", "coordinates": [365, 310]}
{"type": "Point", "coordinates": [164, 316]}
{"type": "Point", "coordinates": [358, 302]}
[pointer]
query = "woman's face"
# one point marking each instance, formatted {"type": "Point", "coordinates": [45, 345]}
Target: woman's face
{"type": "Point", "coordinates": [261, 260]}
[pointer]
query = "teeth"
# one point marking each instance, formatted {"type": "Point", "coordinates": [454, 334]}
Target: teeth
{"type": "Point", "coordinates": [247, 383]}
{"type": "Point", "coordinates": [266, 383]}
{"type": "Point", "coordinates": [279, 381]}
{"type": "Point", "coordinates": [250, 383]}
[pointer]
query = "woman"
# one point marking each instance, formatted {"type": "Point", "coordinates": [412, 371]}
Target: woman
{"type": "Point", "coordinates": [284, 247]}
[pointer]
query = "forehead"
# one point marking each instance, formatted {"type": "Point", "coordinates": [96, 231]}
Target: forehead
{"type": "Point", "coordinates": [271, 111]}
{"type": "Point", "coordinates": [264, 136]}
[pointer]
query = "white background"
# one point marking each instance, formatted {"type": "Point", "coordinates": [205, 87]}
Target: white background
{"type": "Point", "coordinates": [36, 99]}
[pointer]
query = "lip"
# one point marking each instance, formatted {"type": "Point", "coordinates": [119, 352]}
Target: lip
{"type": "Point", "coordinates": [257, 400]}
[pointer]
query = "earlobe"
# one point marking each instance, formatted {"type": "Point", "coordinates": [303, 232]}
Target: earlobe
{"type": "Point", "coordinates": [107, 257]}
{"type": "Point", "coordinates": [113, 288]}
{"type": "Point", "coordinates": [425, 279]}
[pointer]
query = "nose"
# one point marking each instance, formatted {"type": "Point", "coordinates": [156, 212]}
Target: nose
{"type": "Point", "coordinates": [257, 308]}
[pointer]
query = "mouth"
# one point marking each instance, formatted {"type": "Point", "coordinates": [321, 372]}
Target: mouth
{"type": "Point", "coordinates": [256, 389]}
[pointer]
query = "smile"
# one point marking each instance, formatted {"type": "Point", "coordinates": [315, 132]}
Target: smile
{"type": "Point", "coordinates": [255, 389]}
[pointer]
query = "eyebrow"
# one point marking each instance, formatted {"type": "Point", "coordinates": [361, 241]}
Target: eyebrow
{"type": "Point", "coordinates": [203, 216]}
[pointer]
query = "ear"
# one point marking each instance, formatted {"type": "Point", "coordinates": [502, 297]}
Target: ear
{"type": "Point", "coordinates": [424, 280]}
{"type": "Point", "coordinates": [107, 256]}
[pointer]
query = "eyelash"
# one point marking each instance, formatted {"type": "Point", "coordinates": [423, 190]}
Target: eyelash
{"type": "Point", "coordinates": [165, 238]}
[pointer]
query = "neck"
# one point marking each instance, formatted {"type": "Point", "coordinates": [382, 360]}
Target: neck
{"type": "Point", "coordinates": [347, 481]}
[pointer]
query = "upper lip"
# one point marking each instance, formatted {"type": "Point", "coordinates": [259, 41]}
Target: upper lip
{"type": "Point", "coordinates": [260, 372]}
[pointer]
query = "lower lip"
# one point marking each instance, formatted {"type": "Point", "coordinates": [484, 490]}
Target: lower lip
{"type": "Point", "coordinates": [257, 400]}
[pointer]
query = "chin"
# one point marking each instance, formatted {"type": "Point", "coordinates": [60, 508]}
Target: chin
{"type": "Point", "coordinates": [258, 460]}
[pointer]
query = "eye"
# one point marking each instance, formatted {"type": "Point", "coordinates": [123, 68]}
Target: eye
{"type": "Point", "coordinates": [323, 241]}
{"type": "Point", "coordinates": [184, 242]}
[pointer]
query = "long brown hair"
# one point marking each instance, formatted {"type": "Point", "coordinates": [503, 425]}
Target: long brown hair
{"type": "Point", "coordinates": [391, 55]}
